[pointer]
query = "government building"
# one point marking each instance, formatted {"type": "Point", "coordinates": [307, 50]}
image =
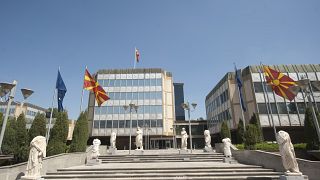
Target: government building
{"type": "Point", "coordinates": [151, 90]}
{"type": "Point", "coordinates": [222, 102]}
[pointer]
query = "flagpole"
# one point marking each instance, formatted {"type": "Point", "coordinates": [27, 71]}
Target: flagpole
{"type": "Point", "coordinates": [241, 105]}
{"type": "Point", "coordinates": [134, 64]}
{"type": "Point", "coordinates": [268, 101]}
{"type": "Point", "coordinates": [50, 120]}
{"type": "Point", "coordinates": [82, 94]}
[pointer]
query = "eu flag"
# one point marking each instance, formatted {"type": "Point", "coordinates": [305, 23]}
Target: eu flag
{"type": "Point", "coordinates": [239, 83]}
{"type": "Point", "coordinates": [61, 88]}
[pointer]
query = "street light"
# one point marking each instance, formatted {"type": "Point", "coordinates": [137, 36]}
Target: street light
{"type": "Point", "coordinates": [186, 106]}
{"type": "Point", "coordinates": [130, 107]}
{"type": "Point", "coordinates": [26, 93]}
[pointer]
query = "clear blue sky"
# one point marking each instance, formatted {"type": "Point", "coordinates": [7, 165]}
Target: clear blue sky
{"type": "Point", "coordinates": [197, 41]}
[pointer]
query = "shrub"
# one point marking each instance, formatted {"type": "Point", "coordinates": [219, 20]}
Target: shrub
{"type": "Point", "coordinates": [255, 121]}
{"type": "Point", "coordinates": [310, 134]}
{"type": "Point", "coordinates": [9, 144]}
{"type": "Point", "coordinates": [240, 132]}
{"type": "Point", "coordinates": [38, 127]}
{"type": "Point", "coordinates": [250, 137]}
{"type": "Point", "coordinates": [80, 134]}
{"type": "Point", "coordinates": [21, 153]}
{"type": "Point", "coordinates": [225, 131]}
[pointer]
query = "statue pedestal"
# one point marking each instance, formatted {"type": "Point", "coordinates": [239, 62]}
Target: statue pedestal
{"type": "Point", "coordinates": [229, 160]}
{"type": "Point", "coordinates": [138, 152]}
{"type": "Point", "coordinates": [183, 151]}
{"type": "Point", "coordinates": [294, 177]}
{"type": "Point", "coordinates": [93, 162]}
{"type": "Point", "coordinates": [207, 149]}
{"type": "Point", "coordinates": [31, 178]}
{"type": "Point", "coordinates": [112, 150]}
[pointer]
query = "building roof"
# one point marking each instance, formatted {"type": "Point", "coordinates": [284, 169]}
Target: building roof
{"type": "Point", "coordinates": [134, 71]}
{"type": "Point", "coordinates": [25, 104]}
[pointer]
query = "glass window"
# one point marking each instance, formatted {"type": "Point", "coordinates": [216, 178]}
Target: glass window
{"type": "Point", "coordinates": [140, 123]}
{"type": "Point", "coordinates": [127, 123]}
{"type": "Point", "coordinates": [146, 109]}
{"type": "Point", "coordinates": [116, 96]}
{"type": "Point", "coordinates": [274, 108]}
{"type": "Point", "coordinates": [159, 123]}
{"type": "Point", "coordinates": [159, 82]}
{"type": "Point", "coordinates": [152, 95]}
{"type": "Point", "coordinates": [129, 82]}
{"type": "Point", "coordinates": [152, 110]}
{"type": "Point", "coordinates": [292, 108]}
{"type": "Point", "coordinates": [153, 82]}
{"type": "Point", "coordinates": [140, 95]}
{"type": "Point", "coordinates": [262, 108]}
{"type": "Point", "coordinates": [146, 82]}
{"type": "Point", "coordinates": [100, 82]}
{"type": "Point", "coordinates": [159, 95]}
{"type": "Point", "coordinates": [116, 109]}
{"type": "Point", "coordinates": [115, 123]}
{"type": "Point", "coordinates": [102, 124]}
{"type": "Point", "coordinates": [117, 83]}
{"type": "Point", "coordinates": [121, 124]}
{"type": "Point", "coordinates": [135, 82]}
{"type": "Point", "coordinates": [103, 110]}
{"type": "Point", "coordinates": [122, 111]}
{"type": "Point", "coordinates": [257, 87]}
{"type": "Point", "coordinates": [159, 109]}
{"type": "Point", "coordinates": [111, 95]}
{"type": "Point", "coordinates": [106, 82]}
{"type": "Point", "coordinates": [123, 82]}
{"type": "Point", "coordinates": [147, 122]}
{"type": "Point", "coordinates": [301, 107]}
{"type": "Point", "coordinates": [146, 95]}
{"type": "Point", "coordinates": [96, 110]}
{"type": "Point", "coordinates": [109, 110]}
{"type": "Point", "coordinates": [140, 110]}
{"type": "Point", "coordinates": [315, 86]}
{"type": "Point", "coordinates": [141, 82]}
{"type": "Point", "coordinates": [282, 107]}
{"type": "Point", "coordinates": [111, 82]}
{"type": "Point", "coordinates": [122, 96]}
{"type": "Point", "coordinates": [96, 124]}
{"type": "Point", "coordinates": [134, 95]}
{"type": "Point", "coordinates": [109, 124]}
{"type": "Point", "coordinates": [153, 123]}
{"type": "Point", "coordinates": [134, 123]}
{"type": "Point", "coordinates": [129, 95]}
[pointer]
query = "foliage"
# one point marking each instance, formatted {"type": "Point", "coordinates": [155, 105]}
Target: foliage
{"type": "Point", "coordinates": [240, 132]}
{"type": "Point", "coordinates": [250, 137]}
{"type": "Point", "coordinates": [310, 133]}
{"type": "Point", "coordinates": [300, 146]}
{"type": "Point", "coordinates": [271, 147]}
{"type": "Point", "coordinates": [9, 143]}
{"type": "Point", "coordinates": [225, 131]}
{"type": "Point", "coordinates": [255, 121]}
{"type": "Point", "coordinates": [54, 113]}
{"type": "Point", "coordinates": [38, 127]}
{"type": "Point", "coordinates": [58, 135]}
{"type": "Point", "coordinates": [80, 134]}
{"type": "Point", "coordinates": [1, 120]}
{"type": "Point", "coordinates": [21, 153]}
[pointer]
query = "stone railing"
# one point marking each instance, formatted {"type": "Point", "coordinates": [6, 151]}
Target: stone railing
{"type": "Point", "coordinates": [50, 164]}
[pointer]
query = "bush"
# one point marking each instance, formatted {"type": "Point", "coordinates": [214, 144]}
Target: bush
{"type": "Point", "coordinates": [56, 147]}
{"type": "Point", "coordinates": [9, 144]}
{"type": "Point", "coordinates": [250, 137]}
{"type": "Point", "coordinates": [310, 133]}
{"type": "Point", "coordinates": [255, 121]}
{"type": "Point", "coordinates": [300, 146]}
{"type": "Point", "coordinates": [240, 132]}
{"type": "Point", "coordinates": [21, 153]}
{"type": "Point", "coordinates": [80, 134]}
{"type": "Point", "coordinates": [38, 127]}
{"type": "Point", "coordinates": [271, 147]}
{"type": "Point", "coordinates": [225, 131]}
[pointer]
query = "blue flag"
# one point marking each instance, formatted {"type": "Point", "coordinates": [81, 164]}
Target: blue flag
{"type": "Point", "coordinates": [61, 88]}
{"type": "Point", "coordinates": [239, 83]}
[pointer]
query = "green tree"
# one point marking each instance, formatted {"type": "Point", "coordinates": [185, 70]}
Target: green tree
{"type": "Point", "coordinates": [1, 120]}
{"type": "Point", "coordinates": [21, 153]}
{"type": "Point", "coordinates": [58, 135]}
{"type": "Point", "coordinates": [225, 131]}
{"type": "Point", "coordinates": [38, 127]}
{"type": "Point", "coordinates": [250, 137]}
{"type": "Point", "coordinates": [240, 132]}
{"type": "Point", "coordinates": [255, 121]}
{"type": "Point", "coordinates": [310, 133]}
{"type": "Point", "coordinates": [9, 144]}
{"type": "Point", "coordinates": [80, 134]}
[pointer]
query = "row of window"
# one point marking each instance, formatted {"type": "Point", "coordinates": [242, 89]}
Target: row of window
{"type": "Point", "coordinates": [3, 110]}
{"type": "Point", "coordinates": [259, 88]}
{"type": "Point", "coordinates": [135, 95]}
{"type": "Point", "coordinates": [144, 109]}
{"type": "Point", "coordinates": [222, 98]}
{"type": "Point", "coordinates": [31, 113]}
{"type": "Point", "coordinates": [284, 108]}
{"type": "Point", "coordinates": [225, 115]}
{"type": "Point", "coordinates": [129, 82]}
{"type": "Point", "coordinates": [126, 123]}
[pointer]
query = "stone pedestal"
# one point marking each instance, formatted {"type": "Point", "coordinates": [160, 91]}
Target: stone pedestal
{"type": "Point", "coordinates": [293, 177]}
{"type": "Point", "coordinates": [229, 160]}
{"type": "Point", "coordinates": [31, 178]}
{"type": "Point", "coordinates": [207, 149]}
{"type": "Point", "coordinates": [138, 152]}
{"type": "Point", "coordinates": [112, 150]}
{"type": "Point", "coordinates": [183, 151]}
{"type": "Point", "coordinates": [93, 162]}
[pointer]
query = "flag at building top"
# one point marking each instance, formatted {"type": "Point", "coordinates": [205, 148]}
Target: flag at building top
{"type": "Point", "coordinates": [137, 55]}
{"type": "Point", "coordinates": [91, 85]}
{"type": "Point", "coordinates": [280, 83]}
{"type": "Point", "coordinates": [61, 88]}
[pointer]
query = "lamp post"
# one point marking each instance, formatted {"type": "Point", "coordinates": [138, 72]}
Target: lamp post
{"type": "Point", "coordinates": [174, 136]}
{"type": "Point", "coordinates": [7, 87]}
{"type": "Point", "coordinates": [130, 107]}
{"type": "Point", "coordinates": [186, 106]}
{"type": "Point", "coordinates": [26, 93]}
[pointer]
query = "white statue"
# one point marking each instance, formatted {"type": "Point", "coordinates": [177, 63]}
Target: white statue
{"type": "Point", "coordinates": [226, 147]}
{"type": "Point", "coordinates": [95, 153]}
{"type": "Point", "coordinates": [113, 138]}
{"type": "Point", "coordinates": [36, 155]}
{"type": "Point", "coordinates": [184, 138]}
{"type": "Point", "coordinates": [207, 138]}
{"type": "Point", "coordinates": [287, 153]}
{"type": "Point", "coordinates": [139, 135]}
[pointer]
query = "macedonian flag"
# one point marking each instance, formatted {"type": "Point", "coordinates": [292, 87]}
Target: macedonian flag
{"type": "Point", "coordinates": [280, 83]}
{"type": "Point", "coordinates": [91, 85]}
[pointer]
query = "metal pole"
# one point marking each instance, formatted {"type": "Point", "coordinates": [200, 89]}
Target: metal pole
{"type": "Point", "coordinates": [11, 96]}
{"type": "Point", "coordinates": [315, 120]}
{"type": "Point", "coordinates": [190, 128]}
{"type": "Point", "coordinates": [48, 133]}
{"type": "Point", "coordinates": [130, 129]}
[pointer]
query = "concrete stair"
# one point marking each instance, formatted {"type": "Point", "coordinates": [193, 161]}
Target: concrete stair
{"type": "Point", "coordinates": [164, 166]}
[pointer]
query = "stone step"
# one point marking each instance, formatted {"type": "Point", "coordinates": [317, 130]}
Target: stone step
{"type": "Point", "coordinates": [166, 155]}
{"type": "Point", "coordinates": [160, 161]}
{"type": "Point", "coordinates": [129, 171]}
{"type": "Point", "coordinates": [152, 175]}
{"type": "Point", "coordinates": [141, 157]}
